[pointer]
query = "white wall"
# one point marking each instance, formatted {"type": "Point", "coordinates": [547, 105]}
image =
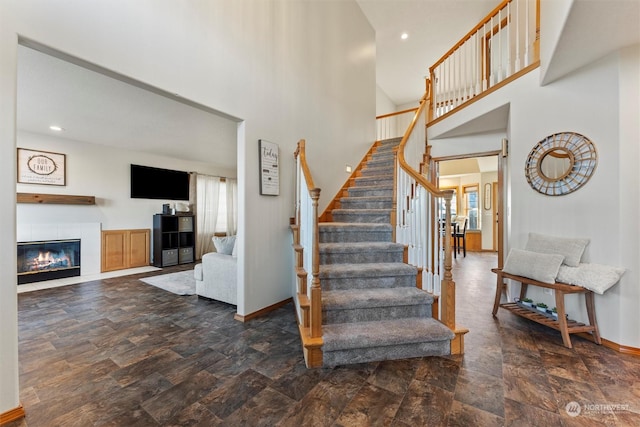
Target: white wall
{"type": "Point", "coordinates": [8, 290]}
{"type": "Point", "coordinates": [575, 103]}
{"type": "Point", "coordinates": [384, 104]}
{"type": "Point", "coordinates": [553, 17]}
{"type": "Point", "coordinates": [290, 70]}
{"type": "Point", "coordinates": [99, 171]}
{"type": "Point", "coordinates": [103, 172]}
{"type": "Point", "coordinates": [628, 227]}
{"type": "Point", "coordinates": [487, 213]}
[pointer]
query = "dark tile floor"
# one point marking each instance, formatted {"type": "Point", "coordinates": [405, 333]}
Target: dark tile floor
{"type": "Point", "coordinates": [118, 352]}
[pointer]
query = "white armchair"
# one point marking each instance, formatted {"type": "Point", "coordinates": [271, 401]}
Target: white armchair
{"type": "Point", "coordinates": [217, 277]}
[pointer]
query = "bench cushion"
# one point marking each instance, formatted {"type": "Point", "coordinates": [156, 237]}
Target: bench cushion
{"type": "Point", "coordinates": [538, 266]}
{"type": "Point", "coordinates": [595, 277]}
{"type": "Point", "coordinates": [570, 248]}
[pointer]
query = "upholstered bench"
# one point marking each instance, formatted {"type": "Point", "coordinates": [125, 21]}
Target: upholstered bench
{"type": "Point", "coordinates": [562, 324]}
{"type": "Point", "coordinates": [554, 263]}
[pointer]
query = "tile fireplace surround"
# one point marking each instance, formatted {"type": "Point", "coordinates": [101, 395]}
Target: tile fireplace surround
{"type": "Point", "coordinates": [88, 233]}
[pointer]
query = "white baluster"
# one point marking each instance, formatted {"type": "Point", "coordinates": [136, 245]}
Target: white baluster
{"type": "Point", "coordinates": [508, 29]}
{"type": "Point", "coordinates": [499, 46]}
{"type": "Point", "coordinates": [517, 31]}
{"type": "Point", "coordinates": [526, 34]}
{"type": "Point", "coordinates": [485, 72]}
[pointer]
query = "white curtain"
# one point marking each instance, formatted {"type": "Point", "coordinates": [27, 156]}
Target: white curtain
{"type": "Point", "coordinates": [232, 206]}
{"type": "Point", "coordinates": [207, 198]}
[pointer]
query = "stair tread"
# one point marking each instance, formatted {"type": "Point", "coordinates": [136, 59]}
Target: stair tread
{"type": "Point", "coordinates": [355, 225]}
{"type": "Point", "coordinates": [379, 155]}
{"type": "Point", "coordinates": [373, 177]}
{"type": "Point", "coordinates": [362, 211]}
{"type": "Point", "coordinates": [368, 198]}
{"type": "Point", "coordinates": [374, 187]}
{"type": "Point", "coordinates": [342, 299]}
{"type": "Point", "coordinates": [377, 168]}
{"type": "Point", "coordinates": [360, 246]}
{"type": "Point", "coordinates": [357, 292]}
{"type": "Point", "coordinates": [379, 269]}
{"type": "Point", "coordinates": [342, 336]}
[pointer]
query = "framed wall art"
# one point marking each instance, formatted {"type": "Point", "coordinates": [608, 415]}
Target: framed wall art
{"type": "Point", "coordinates": [269, 168]}
{"type": "Point", "coordinates": [561, 163]}
{"type": "Point", "coordinates": [487, 197]}
{"type": "Point", "coordinates": [41, 167]}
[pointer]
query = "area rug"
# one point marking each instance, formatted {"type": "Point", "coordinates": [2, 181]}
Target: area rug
{"type": "Point", "coordinates": [181, 283]}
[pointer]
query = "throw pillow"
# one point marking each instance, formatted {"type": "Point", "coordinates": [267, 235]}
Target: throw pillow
{"type": "Point", "coordinates": [224, 245]}
{"type": "Point", "coordinates": [234, 252]}
{"type": "Point", "coordinates": [570, 249]}
{"type": "Point", "coordinates": [533, 265]}
{"type": "Point", "coordinates": [595, 277]}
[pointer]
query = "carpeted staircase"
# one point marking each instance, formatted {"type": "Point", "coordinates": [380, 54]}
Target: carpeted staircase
{"type": "Point", "coordinates": [371, 307]}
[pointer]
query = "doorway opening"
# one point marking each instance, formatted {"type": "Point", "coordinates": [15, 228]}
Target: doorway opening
{"type": "Point", "coordinates": [477, 181]}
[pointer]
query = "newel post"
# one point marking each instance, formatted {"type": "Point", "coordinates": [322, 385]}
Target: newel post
{"type": "Point", "coordinates": [316, 291]}
{"type": "Point", "coordinates": [431, 99]}
{"type": "Point", "coordinates": [448, 303]}
{"type": "Point", "coordinates": [448, 285]}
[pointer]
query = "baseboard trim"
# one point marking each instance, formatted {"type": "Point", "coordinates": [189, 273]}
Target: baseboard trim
{"type": "Point", "coordinates": [11, 415]}
{"type": "Point", "coordinates": [262, 311]}
{"type": "Point", "coordinates": [625, 349]}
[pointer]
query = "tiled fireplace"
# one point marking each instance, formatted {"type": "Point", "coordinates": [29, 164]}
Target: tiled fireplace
{"type": "Point", "coordinates": [47, 260]}
{"type": "Point", "coordinates": [87, 232]}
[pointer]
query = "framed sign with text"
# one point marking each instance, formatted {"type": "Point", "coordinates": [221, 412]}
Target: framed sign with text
{"type": "Point", "coordinates": [41, 167]}
{"type": "Point", "coordinates": [269, 168]}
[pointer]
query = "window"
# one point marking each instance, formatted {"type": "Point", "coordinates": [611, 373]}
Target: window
{"type": "Point", "coordinates": [221, 222]}
{"type": "Point", "coordinates": [470, 195]}
{"type": "Point", "coordinates": [216, 200]}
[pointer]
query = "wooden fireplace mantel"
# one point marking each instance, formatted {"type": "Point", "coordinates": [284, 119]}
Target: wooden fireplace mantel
{"type": "Point", "coordinates": [59, 199]}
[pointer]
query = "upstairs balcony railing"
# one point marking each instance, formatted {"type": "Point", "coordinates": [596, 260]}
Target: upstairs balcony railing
{"type": "Point", "coordinates": [393, 125]}
{"type": "Point", "coordinates": [504, 45]}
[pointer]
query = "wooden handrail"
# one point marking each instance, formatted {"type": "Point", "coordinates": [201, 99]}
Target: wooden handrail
{"type": "Point", "coordinates": [447, 298]}
{"type": "Point", "coordinates": [396, 113]}
{"type": "Point", "coordinates": [470, 33]}
{"type": "Point", "coordinates": [309, 300]}
{"type": "Point", "coordinates": [406, 167]}
{"type": "Point", "coordinates": [474, 65]}
{"type": "Point", "coordinates": [300, 151]}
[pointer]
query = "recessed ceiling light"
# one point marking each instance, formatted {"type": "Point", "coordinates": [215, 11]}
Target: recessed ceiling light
{"type": "Point", "coordinates": [404, 36]}
{"type": "Point", "coordinates": [56, 128]}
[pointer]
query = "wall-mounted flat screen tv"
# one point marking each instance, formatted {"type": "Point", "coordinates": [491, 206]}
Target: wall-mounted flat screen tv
{"type": "Point", "coordinates": [155, 183]}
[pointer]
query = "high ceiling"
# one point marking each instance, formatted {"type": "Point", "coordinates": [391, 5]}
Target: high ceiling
{"type": "Point", "coordinates": [433, 27]}
{"type": "Point", "coordinates": [100, 109]}
{"type": "Point", "coordinates": [95, 107]}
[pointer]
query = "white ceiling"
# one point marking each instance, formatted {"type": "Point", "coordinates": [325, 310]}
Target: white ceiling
{"type": "Point", "coordinates": [95, 107]}
{"type": "Point", "coordinates": [433, 26]}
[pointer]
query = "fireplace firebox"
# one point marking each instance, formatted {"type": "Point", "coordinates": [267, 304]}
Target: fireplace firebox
{"type": "Point", "coordinates": [48, 260]}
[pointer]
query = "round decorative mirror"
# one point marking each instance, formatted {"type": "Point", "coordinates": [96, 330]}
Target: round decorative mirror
{"type": "Point", "coordinates": [561, 163]}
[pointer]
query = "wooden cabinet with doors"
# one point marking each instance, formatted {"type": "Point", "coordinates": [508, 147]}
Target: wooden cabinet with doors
{"type": "Point", "coordinates": [125, 249]}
